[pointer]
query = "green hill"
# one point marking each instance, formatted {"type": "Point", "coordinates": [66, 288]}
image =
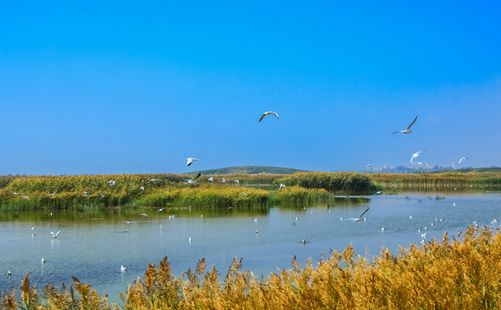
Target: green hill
{"type": "Point", "coordinates": [250, 170]}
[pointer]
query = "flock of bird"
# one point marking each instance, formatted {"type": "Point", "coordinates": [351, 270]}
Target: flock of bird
{"type": "Point", "coordinates": [191, 160]}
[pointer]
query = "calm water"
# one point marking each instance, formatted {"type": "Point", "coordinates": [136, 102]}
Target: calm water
{"type": "Point", "coordinates": [93, 245]}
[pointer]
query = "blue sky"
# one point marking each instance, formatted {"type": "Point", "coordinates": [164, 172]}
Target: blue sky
{"type": "Point", "coordinates": [88, 87]}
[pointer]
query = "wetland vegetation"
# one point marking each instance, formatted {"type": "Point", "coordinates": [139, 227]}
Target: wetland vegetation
{"type": "Point", "coordinates": [446, 274]}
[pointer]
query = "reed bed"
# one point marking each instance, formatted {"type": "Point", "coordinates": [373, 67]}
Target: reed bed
{"type": "Point", "coordinates": [438, 181]}
{"type": "Point", "coordinates": [446, 274]}
{"type": "Point", "coordinates": [300, 196]}
{"type": "Point", "coordinates": [216, 196]}
{"type": "Point", "coordinates": [336, 182]}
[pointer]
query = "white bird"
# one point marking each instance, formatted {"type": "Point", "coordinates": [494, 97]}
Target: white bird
{"type": "Point", "coordinates": [52, 194]}
{"type": "Point", "coordinates": [406, 130]}
{"type": "Point", "coordinates": [266, 114]}
{"type": "Point", "coordinates": [462, 159]}
{"type": "Point", "coordinates": [111, 182]}
{"type": "Point", "coordinates": [55, 234]}
{"type": "Point", "coordinates": [42, 260]}
{"type": "Point", "coordinates": [357, 219]}
{"type": "Point", "coordinates": [123, 268]}
{"type": "Point", "coordinates": [144, 214]}
{"type": "Point", "coordinates": [9, 273]}
{"type": "Point", "coordinates": [33, 228]}
{"type": "Point", "coordinates": [189, 240]}
{"type": "Point", "coordinates": [172, 216]}
{"type": "Point", "coordinates": [141, 188]}
{"type": "Point", "coordinates": [15, 193]}
{"type": "Point", "coordinates": [415, 155]}
{"type": "Point", "coordinates": [160, 210]}
{"type": "Point", "coordinates": [128, 222]}
{"type": "Point", "coordinates": [85, 194]}
{"type": "Point", "coordinates": [211, 179]}
{"type": "Point", "coordinates": [423, 235]}
{"type": "Point", "coordinates": [25, 197]}
{"type": "Point", "coordinates": [190, 160]}
{"type": "Point", "coordinates": [382, 229]}
{"type": "Point", "coordinates": [223, 180]}
{"type": "Point", "coordinates": [281, 187]}
{"type": "Point", "coordinates": [410, 217]}
{"type": "Point", "coordinates": [454, 204]}
{"type": "Point", "coordinates": [236, 181]}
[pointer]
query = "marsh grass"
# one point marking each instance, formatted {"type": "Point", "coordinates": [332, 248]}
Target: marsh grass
{"type": "Point", "coordinates": [446, 274]}
{"type": "Point", "coordinates": [211, 196]}
{"type": "Point", "coordinates": [468, 180]}
{"type": "Point", "coordinates": [335, 182]}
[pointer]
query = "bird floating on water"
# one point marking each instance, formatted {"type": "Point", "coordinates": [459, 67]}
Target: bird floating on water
{"type": "Point", "coordinates": [160, 210]}
{"type": "Point", "coordinates": [190, 160]}
{"type": "Point", "coordinates": [266, 114]}
{"type": "Point", "coordinates": [123, 268]}
{"type": "Point", "coordinates": [304, 241]}
{"type": "Point", "coordinates": [43, 260]}
{"type": "Point", "coordinates": [407, 130]}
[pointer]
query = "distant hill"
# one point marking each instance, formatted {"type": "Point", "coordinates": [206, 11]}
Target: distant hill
{"type": "Point", "coordinates": [250, 170]}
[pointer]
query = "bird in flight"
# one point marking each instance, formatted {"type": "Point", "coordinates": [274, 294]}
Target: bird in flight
{"type": "Point", "coordinates": [357, 219]}
{"type": "Point", "coordinates": [415, 155]}
{"type": "Point", "coordinates": [266, 114]}
{"type": "Point", "coordinates": [55, 234]}
{"type": "Point", "coordinates": [462, 159]}
{"type": "Point", "coordinates": [406, 130]}
{"type": "Point", "coordinates": [211, 179]}
{"type": "Point", "coordinates": [281, 186]}
{"type": "Point", "coordinates": [190, 160]}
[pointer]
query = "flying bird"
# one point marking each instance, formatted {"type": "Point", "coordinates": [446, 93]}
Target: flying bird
{"type": "Point", "coordinates": [462, 159]}
{"type": "Point", "coordinates": [55, 234]}
{"type": "Point", "coordinates": [144, 215]}
{"type": "Point", "coordinates": [281, 187]}
{"type": "Point", "coordinates": [211, 179]}
{"type": "Point", "coordinates": [123, 268]}
{"type": "Point", "coordinates": [111, 182]}
{"type": "Point", "coordinates": [266, 114]}
{"type": "Point", "coordinates": [357, 219]}
{"type": "Point", "coordinates": [236, 181]}
{"type": "Point", "coordinates": [406, 130]}
{"type": "Point", "coordinates": [415, 155]}
{"type": "Point", "coordinates": [190, 160]}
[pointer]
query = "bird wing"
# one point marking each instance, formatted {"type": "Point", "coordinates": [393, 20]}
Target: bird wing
{"type": "Point", "coordinates": [364, 213]}
{"type": "Point", "coordinates": [395, 132]}
{"type": "Point", "coordinates": [262, 117]}
{"type": "Point", "coordinates": [415, 119]}
{"type": "Point", "coordinates": [274, 113]}
{"type": "Point", "coordinates": [197, 176]}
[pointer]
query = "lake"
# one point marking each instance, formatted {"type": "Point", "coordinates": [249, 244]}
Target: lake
{"type": "Point", "coordinates": [93, 244]}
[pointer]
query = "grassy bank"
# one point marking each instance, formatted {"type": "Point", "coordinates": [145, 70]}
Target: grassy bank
{"type": "Point", "coordinates": [104, 191]}
{"type": "Point", "coordinates": [440, 275]}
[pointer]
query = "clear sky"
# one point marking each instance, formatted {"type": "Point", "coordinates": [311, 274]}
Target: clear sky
{"type": "Point", "coordinates": [129, 86]}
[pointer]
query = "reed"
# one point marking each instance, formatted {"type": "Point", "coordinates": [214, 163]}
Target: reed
{"type": "Point", "coordinates": [345, 182]}
{"type": "Point", "coordinates": [446, 274]}
{"type": "Point", "coordinates": [300, 196]}
{"type": "Point", "coordinates": [216, 196]}
{"type": "Point", "coordinates": [467, 180]}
